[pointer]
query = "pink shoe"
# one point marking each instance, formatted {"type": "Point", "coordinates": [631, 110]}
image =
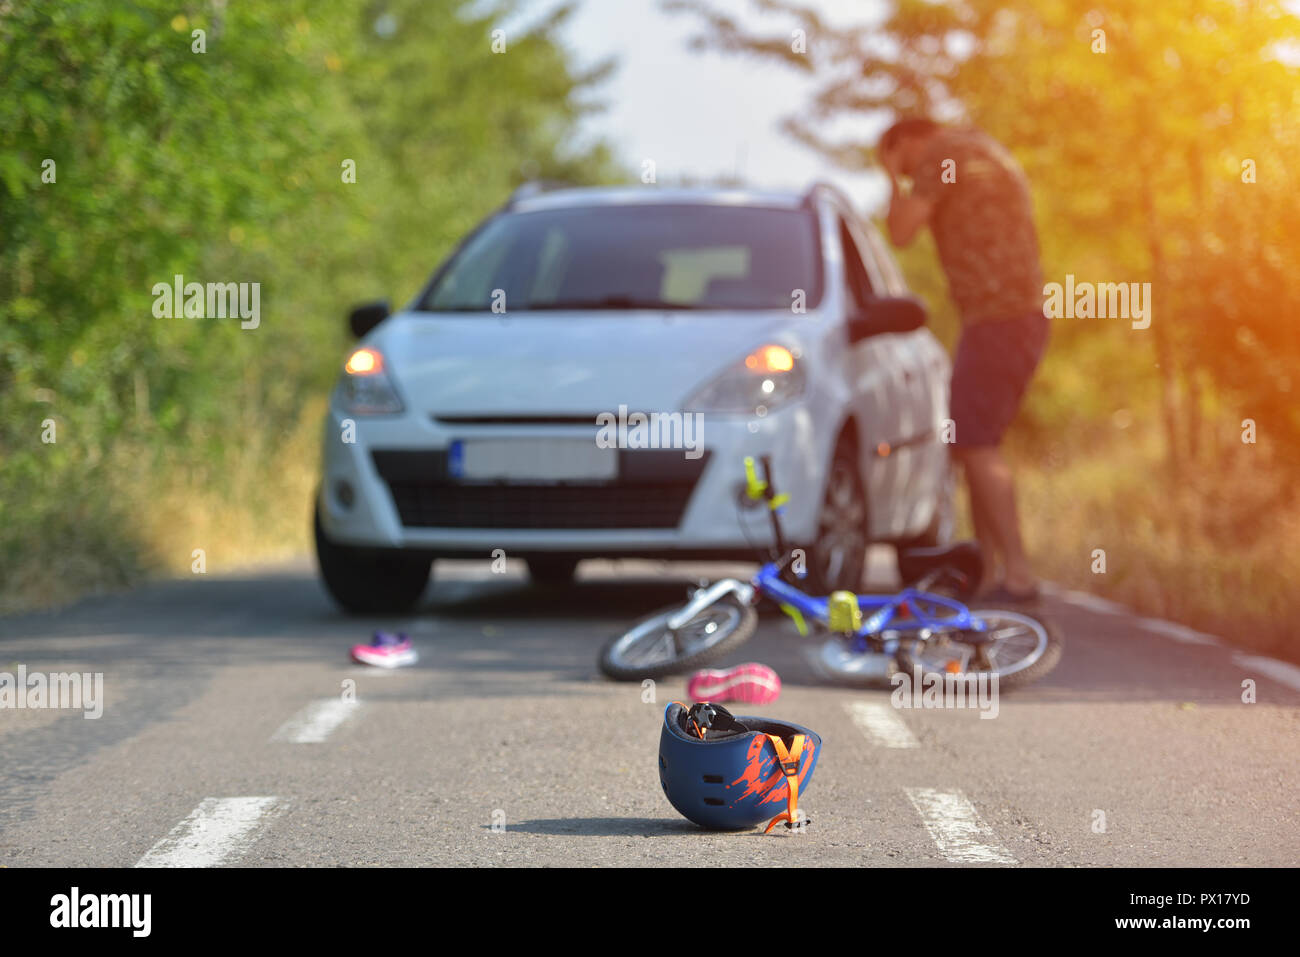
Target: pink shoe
{"type": "Point", "coordinates": [750, 683]}
{"type": "Point", "coordinates": [386, 651]}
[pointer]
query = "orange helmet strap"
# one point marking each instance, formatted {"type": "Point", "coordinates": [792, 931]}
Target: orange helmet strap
{"type": "Point", "coordinates": [789, 764]}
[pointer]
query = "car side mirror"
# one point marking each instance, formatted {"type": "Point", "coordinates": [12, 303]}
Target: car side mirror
{"type": "Point", "coordinates": [365, 317]}
{"type": "Point", "coordinates": [886, 314]}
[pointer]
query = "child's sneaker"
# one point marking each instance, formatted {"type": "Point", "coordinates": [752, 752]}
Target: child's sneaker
{"type": "Point", "coordinates": [386, 651]}
{"type": "Point", "coordinates": [750, 683]}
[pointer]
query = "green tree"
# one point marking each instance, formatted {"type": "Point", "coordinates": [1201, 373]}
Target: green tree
{"type": "Point", "coordinates": [220, 156]}
{"type": "Point", "coordinates": [1132, 121]}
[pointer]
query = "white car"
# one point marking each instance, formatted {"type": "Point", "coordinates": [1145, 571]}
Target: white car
{"type": "Point", "coordinates": [586, 374]}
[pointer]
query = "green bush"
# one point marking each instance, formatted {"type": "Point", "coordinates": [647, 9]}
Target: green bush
{"type": "Point", "coordinates": [226, 165]}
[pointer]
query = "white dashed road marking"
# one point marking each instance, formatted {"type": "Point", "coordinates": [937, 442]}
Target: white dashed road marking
{"type": "Point", "coordinates": [314, 723]}
{"type": "Point", "coordinates": [881, 725]}
{"type": "Point", "coordinates": [956, 829]}
{"type": "Point", "coordinates": [1283, 672]}
{"type": "Point", "coordinates": [1280, 671]}
{"type": "Point", "coordinates": [218, 830]}
{"type": "Point", "coordinates": [1092, 602]}
{"type": "Point", "coordinates": [1170, 629]}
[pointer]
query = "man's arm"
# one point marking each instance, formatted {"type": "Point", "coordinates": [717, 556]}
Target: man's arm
{"type": "Point", "coordinates": [907, 213]}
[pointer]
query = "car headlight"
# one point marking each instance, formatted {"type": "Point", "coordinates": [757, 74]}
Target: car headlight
{"type": "Point", "coordinates": [365, 388]}
{"type": "Point", "coordinates": [767, 377]}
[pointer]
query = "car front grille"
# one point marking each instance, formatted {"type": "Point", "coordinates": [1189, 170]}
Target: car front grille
{"type": "Point", "coordinates": [651, 491]}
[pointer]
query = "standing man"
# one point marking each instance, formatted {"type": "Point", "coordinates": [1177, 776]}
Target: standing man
{"type": "Point", "coordinates": [974, 197]}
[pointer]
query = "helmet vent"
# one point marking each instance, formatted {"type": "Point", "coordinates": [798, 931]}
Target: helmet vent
{"type": "Point", "coordinates": [714, 802]}
{"type": "Point", "coordinates": [713, 779]}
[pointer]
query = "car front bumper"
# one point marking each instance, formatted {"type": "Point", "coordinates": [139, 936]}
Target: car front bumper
{"type": "Point", "coordinates": [390, 488]}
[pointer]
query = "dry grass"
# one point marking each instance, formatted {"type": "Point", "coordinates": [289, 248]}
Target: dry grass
{"type": "Point", "coordinates": [143, 517]}
{"type": "Point", "coordinates": [1214, 548]}
{"type": "Point", "coordinates": [257, 508]}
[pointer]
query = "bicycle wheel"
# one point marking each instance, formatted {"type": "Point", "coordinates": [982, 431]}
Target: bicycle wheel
{"type": "Point", "coordinates": [650, 649]}
{"type": "Point", "coordinates": [1017, 648]}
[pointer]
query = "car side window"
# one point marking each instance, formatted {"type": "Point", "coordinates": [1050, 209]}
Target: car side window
{"type": "Point", "coordinates": [894, 281]}
{"type": "Point", "coordinates": [855, 273]}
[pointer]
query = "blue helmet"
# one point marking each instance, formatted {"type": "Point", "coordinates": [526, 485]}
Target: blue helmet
{"type": "Point", "coordinates": [727, 773]}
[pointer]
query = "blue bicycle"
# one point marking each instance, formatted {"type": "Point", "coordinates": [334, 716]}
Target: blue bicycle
{"type": "Point", "coordinates": [867, 636]}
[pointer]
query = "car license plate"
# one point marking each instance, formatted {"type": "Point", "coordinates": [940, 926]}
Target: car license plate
{"type": "Point", "coordinates": [531, 460]}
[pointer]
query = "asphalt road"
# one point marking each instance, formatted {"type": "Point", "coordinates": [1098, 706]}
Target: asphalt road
{"type": "Point", "coordinates": [225, 740]}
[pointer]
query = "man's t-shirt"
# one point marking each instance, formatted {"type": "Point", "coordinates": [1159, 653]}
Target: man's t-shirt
{"type": "Point", "coordinates": [983, 225]}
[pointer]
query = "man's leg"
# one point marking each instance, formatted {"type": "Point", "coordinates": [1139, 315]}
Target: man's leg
{"type": "Point", "coordinates": [990, 547]}
{"type": "Point", "coordinates": [993, 494]}
{"type": "Point", "coordinates": [995, 361]}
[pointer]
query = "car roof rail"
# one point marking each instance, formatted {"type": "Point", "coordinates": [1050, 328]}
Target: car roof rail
{"type": "Point", "coordinates": [535, 187]}
{"type": "Point", "coordinates": [822, 185]}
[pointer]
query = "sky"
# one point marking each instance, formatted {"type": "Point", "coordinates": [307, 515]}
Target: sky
{"type": "Point", "coordinates": [702, 114]}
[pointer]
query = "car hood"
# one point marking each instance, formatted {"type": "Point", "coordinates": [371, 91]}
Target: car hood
{"type": "Point", "coordinates": [567, 363]}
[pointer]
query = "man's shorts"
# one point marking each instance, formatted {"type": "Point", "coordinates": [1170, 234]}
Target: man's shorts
{"type": "Point", "coordinates": [995, 360]}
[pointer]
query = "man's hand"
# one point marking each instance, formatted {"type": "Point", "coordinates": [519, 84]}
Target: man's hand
{"type": "Point", "coordinates": [890, 162]}
{"type": "Point", "coordinates": [907, 211]}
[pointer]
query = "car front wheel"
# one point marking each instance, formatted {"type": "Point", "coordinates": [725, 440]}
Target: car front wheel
{"type": "Point", "coordinates": [367, 580]}
{"type": "Point", "coordinates": [838, 558]}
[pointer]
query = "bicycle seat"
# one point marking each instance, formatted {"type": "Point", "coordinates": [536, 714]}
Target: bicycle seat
{"type": "Point", "coordinates": [963, 559]}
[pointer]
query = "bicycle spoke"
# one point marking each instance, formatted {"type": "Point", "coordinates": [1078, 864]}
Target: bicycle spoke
{"type": "Point", "coordinates": [653, 642]}
{"type": "Point", "coordinates": [1007, 645]}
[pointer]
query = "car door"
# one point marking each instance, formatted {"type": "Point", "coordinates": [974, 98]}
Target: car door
{"type": "Point", "coordinates": [910, 358]}
{"type": "Point", "coordinates": [922, 365]}
{"type": "Point", "coordinates": [875, 383]}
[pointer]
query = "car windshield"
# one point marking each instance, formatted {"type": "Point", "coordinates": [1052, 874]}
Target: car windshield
{"type": "Point", "coordinates": [635, 257]}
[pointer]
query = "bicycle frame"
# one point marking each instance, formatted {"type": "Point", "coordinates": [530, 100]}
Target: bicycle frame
{"type": "Point", "coordinates": [904, 611]}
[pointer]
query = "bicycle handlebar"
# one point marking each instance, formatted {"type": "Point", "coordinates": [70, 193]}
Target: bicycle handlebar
{"type": "Point", "coordinates": [756, 489]}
